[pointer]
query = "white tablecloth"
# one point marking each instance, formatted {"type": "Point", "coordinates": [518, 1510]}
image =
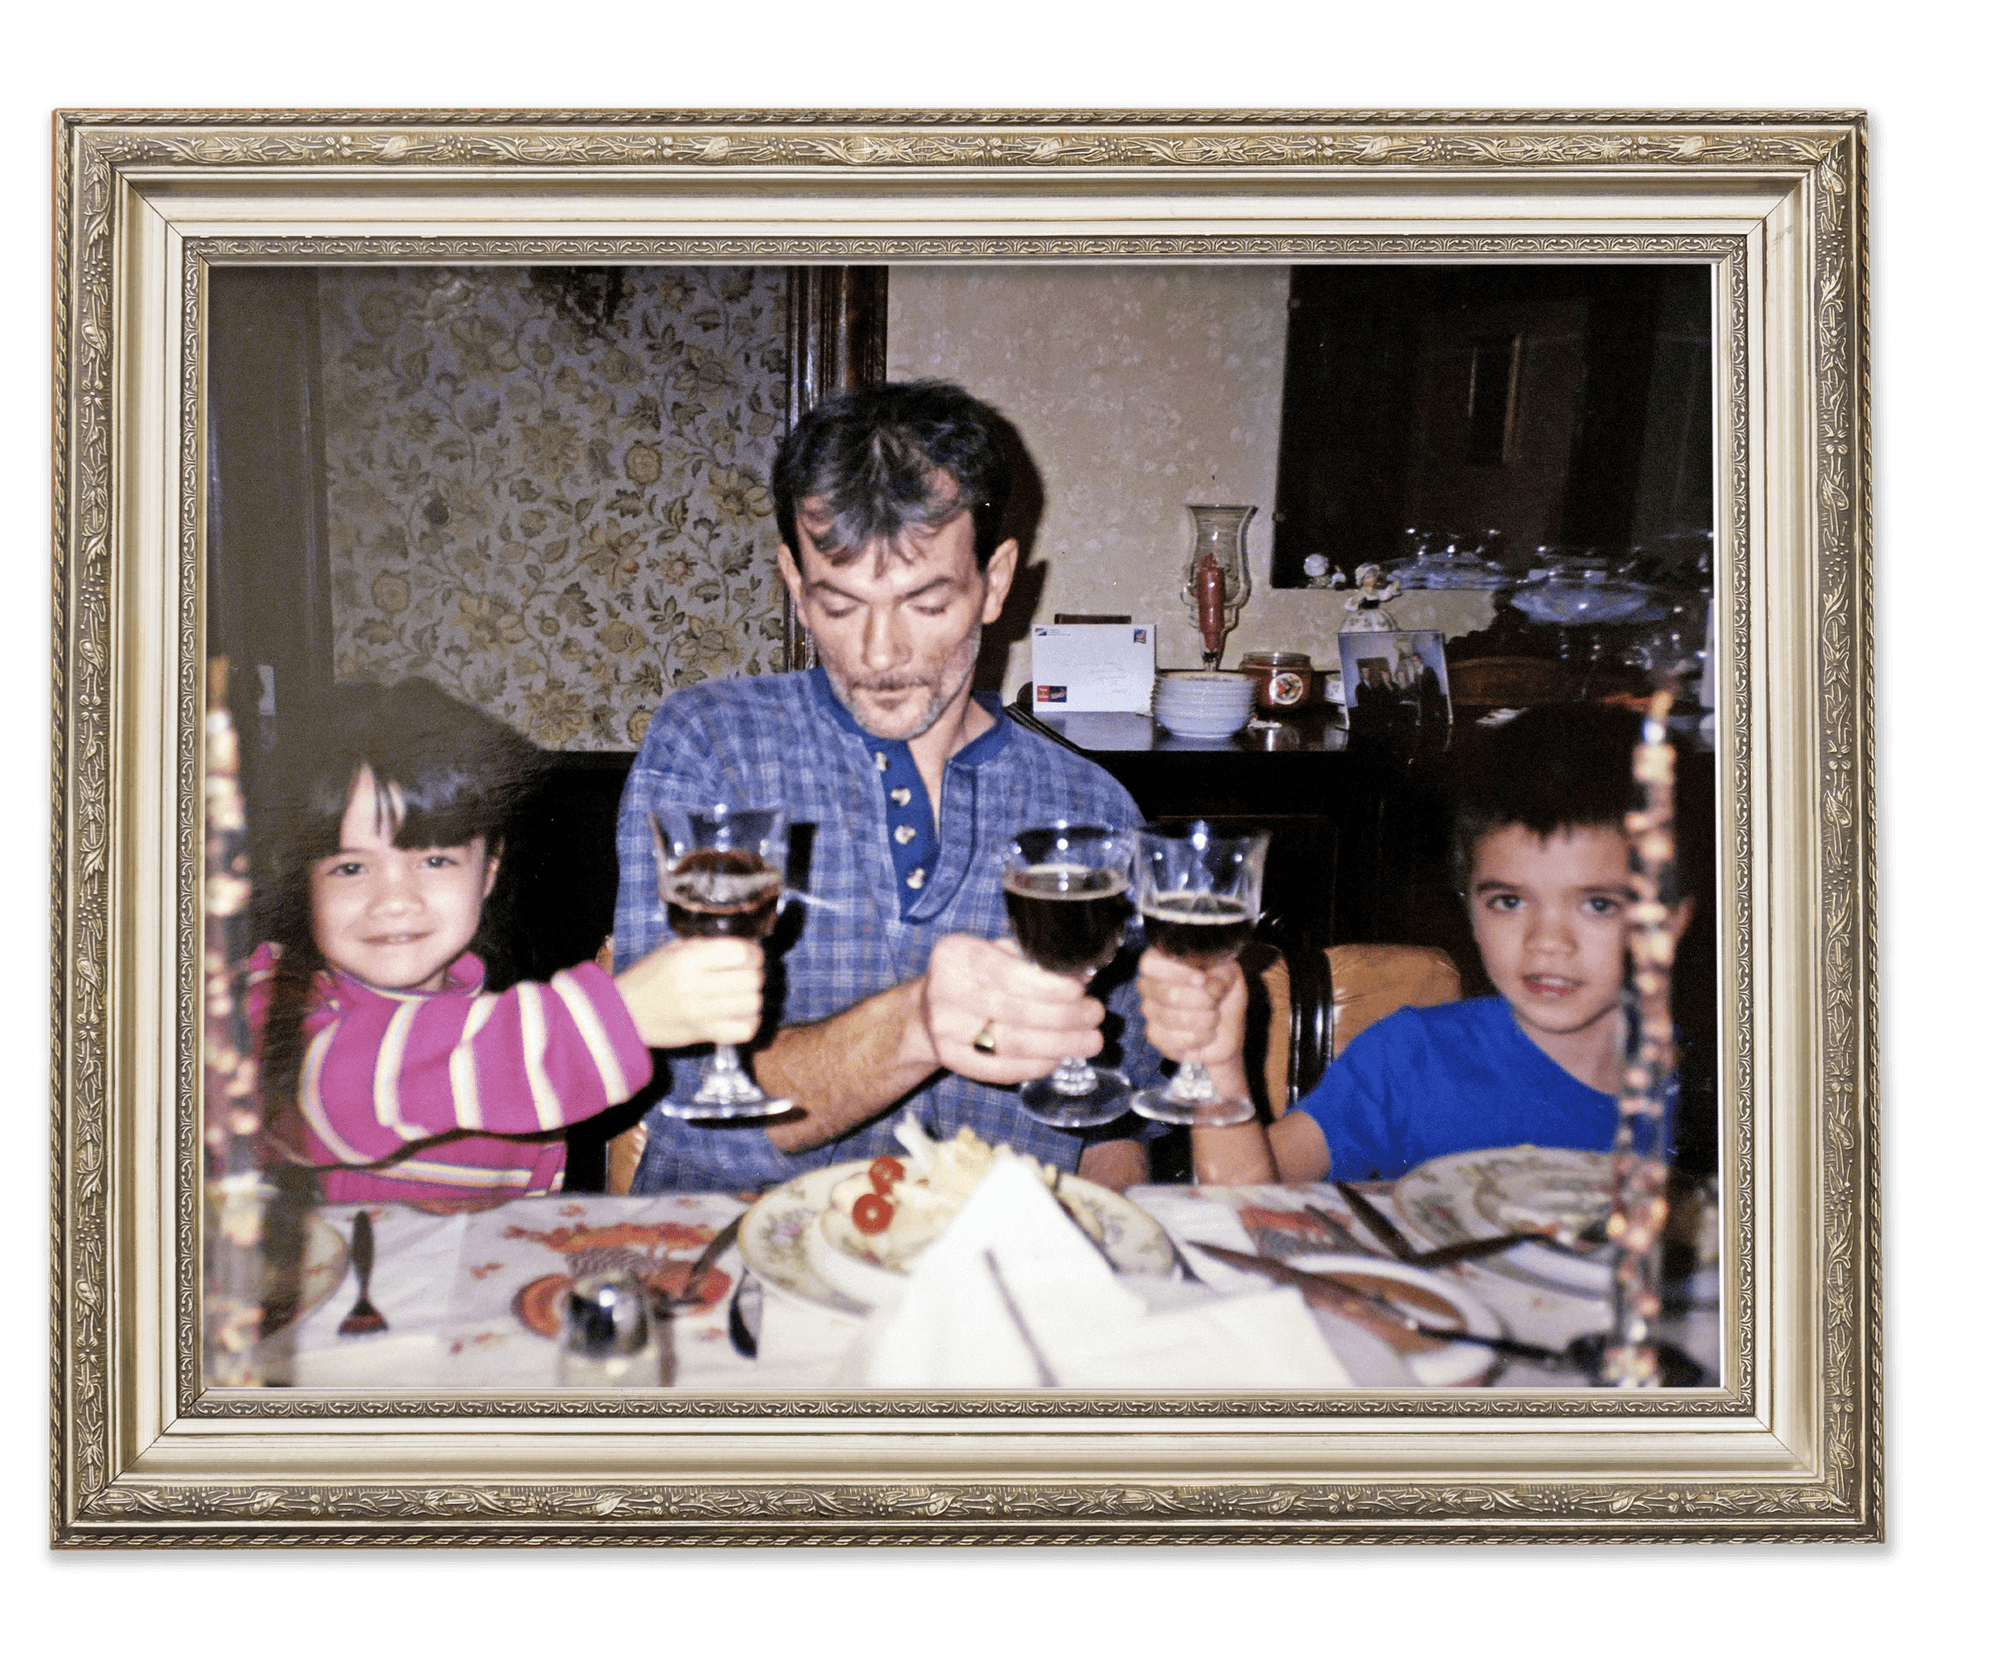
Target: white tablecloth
{"type": "Point", "coordinates": [458, 1291]}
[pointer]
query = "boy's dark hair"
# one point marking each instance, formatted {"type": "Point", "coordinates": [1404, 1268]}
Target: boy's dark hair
{"type": "Point", "coordinates": [1556, 767]}
{"type": "Point", "coordinates": [462, 775]}
{"type": "Point", "coordinates": [870, 460]}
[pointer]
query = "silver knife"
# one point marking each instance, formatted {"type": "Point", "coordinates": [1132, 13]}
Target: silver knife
{"type": "Point", "coordinates": [1438, 1257]}
{"type": "Point", "coordinates": [1460, 1251]}
{"type": "Point", "coordinates": [690, 1288]}
{"type": "Point", "coordinates": [1368, 1215]}
{"type": "Point", "coordinates": [1369, 1311]}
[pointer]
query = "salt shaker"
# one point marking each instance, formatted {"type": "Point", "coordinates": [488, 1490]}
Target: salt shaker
{"type": "Point", "coordinates": [607, 1339]}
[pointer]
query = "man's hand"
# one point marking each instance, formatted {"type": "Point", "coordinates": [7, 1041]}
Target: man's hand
{"type": "Point", "coordinates": [846, 1069]}
{"type": "Point", "coordinates": [987, 990]}
{"type": "Point", "coordinates": [1193, 1014]}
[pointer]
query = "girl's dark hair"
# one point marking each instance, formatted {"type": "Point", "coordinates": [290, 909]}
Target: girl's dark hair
{"type": "Point", "coordinates": [460, 774]}
{"type": "Point", "coordinates": [870, 461]}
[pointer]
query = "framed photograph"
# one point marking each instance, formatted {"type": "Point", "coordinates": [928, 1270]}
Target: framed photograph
{"type": "Point", "coordinates": [1396, 681]}
{"type": "Point", "coordinates": [173, 226]}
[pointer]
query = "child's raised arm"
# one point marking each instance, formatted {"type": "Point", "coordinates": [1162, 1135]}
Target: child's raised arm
{"type": "Point", "coordinates": [1192, 1013]}
{"type": "Point", "coordinates": [696, 992]}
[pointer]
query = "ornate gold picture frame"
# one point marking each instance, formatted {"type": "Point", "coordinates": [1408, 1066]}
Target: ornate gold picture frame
{"type": "Point", "coordinates": [1787, 1447]}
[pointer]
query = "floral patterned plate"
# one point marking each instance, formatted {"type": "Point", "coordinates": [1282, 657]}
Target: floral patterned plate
{"type": "Point", "coordinates": [776, 1243]}
{"type": "Point", "coordinates": [1491, 1191]}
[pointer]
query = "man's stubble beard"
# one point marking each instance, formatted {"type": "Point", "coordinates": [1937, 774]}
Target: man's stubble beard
{"type": "Point", "coordinates": [957, 673]}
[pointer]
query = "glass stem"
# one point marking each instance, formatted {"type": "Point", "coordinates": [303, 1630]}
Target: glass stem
{"type": "Point", "coordinates": [1074, 1076]}
{"type": "Point", "coordinates": [1192, 1083]}
{"type": "Point", "coordinates": [723, 1078]}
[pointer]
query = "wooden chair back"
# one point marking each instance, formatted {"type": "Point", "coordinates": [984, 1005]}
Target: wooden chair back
{"type": "Point", "coordinates": [1312, 1007]}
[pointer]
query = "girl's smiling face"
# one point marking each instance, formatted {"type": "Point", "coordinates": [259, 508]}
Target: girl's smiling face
{"type": "Point", "coordinates": [395, 917]}
{"type": "Point", "coordinates": [1549, 915]}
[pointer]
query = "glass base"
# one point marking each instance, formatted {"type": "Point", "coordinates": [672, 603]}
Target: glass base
{"type": "Point", "coordinates": [726, 1092]}
{"type": "Point", "coordinates": [693, 1108]}
{"type": "Point", "coordinates": [1107, 1096]}
{"type": "Point", "coordinates": [1161, 1104]}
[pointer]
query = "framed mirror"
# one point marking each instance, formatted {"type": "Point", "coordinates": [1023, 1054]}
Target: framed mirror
{"type": "Point", "coordinates": [1497, 409]}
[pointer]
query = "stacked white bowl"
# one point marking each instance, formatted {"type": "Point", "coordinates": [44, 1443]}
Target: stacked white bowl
{"type": "Point", "coordinates": [1202, 703]}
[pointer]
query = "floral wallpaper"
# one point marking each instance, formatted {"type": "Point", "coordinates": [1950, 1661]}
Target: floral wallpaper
{"type": "Point", "coordinates": [555, 515]}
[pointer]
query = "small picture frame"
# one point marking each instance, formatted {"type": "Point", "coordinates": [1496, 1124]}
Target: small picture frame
{"type": "Point", "coordinates": [1396, 684]}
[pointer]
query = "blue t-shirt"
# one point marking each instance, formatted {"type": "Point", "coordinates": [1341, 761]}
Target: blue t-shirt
{"type": "Point", "coordinates": [1421, 1083]}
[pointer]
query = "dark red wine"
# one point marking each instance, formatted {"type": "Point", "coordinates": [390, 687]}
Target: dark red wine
{"type": "Point", "coordinates": [1068, 918]}
{"type": "Point", "coordinates": [1199, 929]}
{"type": "Point", "coordinates": [722, 891]}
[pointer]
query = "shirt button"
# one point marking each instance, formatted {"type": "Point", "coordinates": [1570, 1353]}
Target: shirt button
{"type": "Point", "coordinates": [905, 832]}
{"type": "Point", "coordinates": [900, 796]}
{"type": "Point", "coordinates": [916, 878]}
{"type": "Point", "coordinates": [881, 762]}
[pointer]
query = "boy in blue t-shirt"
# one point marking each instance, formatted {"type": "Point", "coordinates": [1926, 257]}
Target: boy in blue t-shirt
{"type": "Point", "coordinates": [1543, 862]}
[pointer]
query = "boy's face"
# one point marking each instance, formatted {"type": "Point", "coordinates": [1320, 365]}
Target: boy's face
{"type": "Point", "coordinates": [1550, 918]}
{"type": "Point", "coordinates": [396, 917]}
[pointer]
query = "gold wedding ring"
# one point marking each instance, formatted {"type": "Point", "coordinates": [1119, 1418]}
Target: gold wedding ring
{"type": "Point", "coordinates": [984, 1042]}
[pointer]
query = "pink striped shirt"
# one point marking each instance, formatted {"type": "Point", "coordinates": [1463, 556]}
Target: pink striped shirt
{"type": "Point", "coordinates": [457, 1092]}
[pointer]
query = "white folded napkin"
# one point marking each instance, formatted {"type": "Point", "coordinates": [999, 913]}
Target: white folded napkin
{"type": "Point", "coordinates": [1013, 1288]}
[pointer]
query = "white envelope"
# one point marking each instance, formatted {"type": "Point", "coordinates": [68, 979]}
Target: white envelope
{"type": "Point", "coordinates": [1092, 666]}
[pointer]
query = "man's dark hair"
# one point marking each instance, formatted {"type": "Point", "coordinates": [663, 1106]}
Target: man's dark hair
{"type": "Point", "coordinates": [879, 460]}
{"type": "Point", "coordinates": [1557, 767]}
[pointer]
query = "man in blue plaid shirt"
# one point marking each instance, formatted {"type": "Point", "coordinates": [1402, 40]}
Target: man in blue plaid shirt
{"type": "Point", "coordinates": [903, 988]}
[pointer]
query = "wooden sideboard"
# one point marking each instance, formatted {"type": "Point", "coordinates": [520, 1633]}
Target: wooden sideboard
{"type": "Point", "coordinates": [1359, 839]}
{"type": "Point", "coordinates": [1359, 835]}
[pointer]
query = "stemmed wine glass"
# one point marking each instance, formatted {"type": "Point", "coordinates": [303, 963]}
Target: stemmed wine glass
{"type": "Point", "coordinates": [1198, 894]}
{"type": "Point", "coordinates": [722, 872]}
{"type": "Point", "coordinates": [1066, 888]}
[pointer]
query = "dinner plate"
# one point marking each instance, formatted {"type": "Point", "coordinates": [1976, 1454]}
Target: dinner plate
{"type": "Point", "coordinates": [782, 1242]}
{"type": "Point", "coordinates": [1448, 1364]}
{"type": "Point", "coordinates": [1479, 1193]}
{"type": "Point", "coordinates": [321, 1269]}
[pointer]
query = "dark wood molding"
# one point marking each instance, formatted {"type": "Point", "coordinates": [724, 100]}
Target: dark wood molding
{"type": "Point", "coordinates": [839, 339]}
{"type": "Point", "coordinates": [840, 331]}
{"type": "Point", "coordinates": [269, 602]}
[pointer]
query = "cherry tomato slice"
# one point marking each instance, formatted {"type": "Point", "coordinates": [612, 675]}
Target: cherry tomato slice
{"type": "Point", "coordinates": [872, 1214]}
{"type": "Point", "coordinates": [885, 1172]}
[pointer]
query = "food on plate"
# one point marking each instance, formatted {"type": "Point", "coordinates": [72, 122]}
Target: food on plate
{"type": "Point", "coordinates": [889, 1213]}
{"type": "Point", "coordinates": [1537, 1196]}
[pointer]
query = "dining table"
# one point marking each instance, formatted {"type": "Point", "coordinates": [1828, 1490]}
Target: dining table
{"type": "Point", "coordinates": [473, 1300]}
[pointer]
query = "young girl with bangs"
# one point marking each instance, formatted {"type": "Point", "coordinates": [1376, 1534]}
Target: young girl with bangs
{"type": "Point", "coordinates": [385, 1063]}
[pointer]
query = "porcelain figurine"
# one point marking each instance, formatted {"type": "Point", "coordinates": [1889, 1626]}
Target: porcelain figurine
{"type": "Point", "coordinates": [1367, 607]}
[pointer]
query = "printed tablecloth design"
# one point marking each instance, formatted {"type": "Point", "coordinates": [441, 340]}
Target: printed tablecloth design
{"type": "Point", "coordinates": [470, 1298]}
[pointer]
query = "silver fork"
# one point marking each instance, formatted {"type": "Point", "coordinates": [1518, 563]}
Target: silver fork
{"type": "Point", "coordinates": [364, 1317]}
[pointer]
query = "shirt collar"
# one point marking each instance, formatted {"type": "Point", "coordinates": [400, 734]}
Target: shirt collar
{"type": "Point", "coordinates": [909, 819]}
{"type": "Point", "coordinates": [980, 751]}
